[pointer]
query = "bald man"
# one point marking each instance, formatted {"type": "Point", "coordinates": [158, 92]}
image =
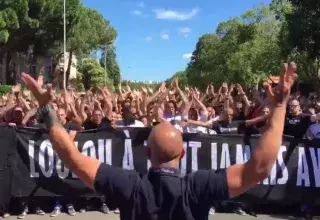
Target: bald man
{"type": "Point", "coordinates": [163, 193]}
{"type": "Point", "coordinates": [297, 123]}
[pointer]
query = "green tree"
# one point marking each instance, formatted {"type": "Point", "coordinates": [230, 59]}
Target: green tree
{"type": "Point", "coordinates": [38, 24]}
{"type": "Point", "coordinates": [205, 62]}
{"type": "Point", "coordinates": [33, 28]}
{"type": "Point", "coordinates": [92, 73]}
{"type": "Point", "coordinates": [304, 26]}
{"type": "Point", "coordinates": [182, 76]}
{"type": "Point", "coordinates": [109, 58]}
{"type": "Point", "coordinates": [90, 33]}
{"type": "Point", "coordinates": [299, 38]}
{"type": "Point", "coordinates": [243, 49]}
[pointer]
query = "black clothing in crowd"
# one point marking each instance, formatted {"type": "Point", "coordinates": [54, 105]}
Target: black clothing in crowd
{"type": "Point", "coordinates": [234, 127]}
{"type": "Point", "coordinates": [297, 125]}
{"type": "Point", "coordinates": [89, 125]}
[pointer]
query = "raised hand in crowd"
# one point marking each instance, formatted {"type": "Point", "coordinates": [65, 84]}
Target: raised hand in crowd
{"type": "Point", "coordinates": [244, 176]}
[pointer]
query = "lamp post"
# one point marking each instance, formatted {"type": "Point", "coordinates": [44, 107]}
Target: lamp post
{"type": "Point", "coordinates": [105, 61]}
{"type": "Point", "coordinates": [64, 45]}
{"type": "Point", "coordinates": [105, 66]}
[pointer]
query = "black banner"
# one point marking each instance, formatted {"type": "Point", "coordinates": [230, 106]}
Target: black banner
{"type": "Point", "coordinates": [295, 178]}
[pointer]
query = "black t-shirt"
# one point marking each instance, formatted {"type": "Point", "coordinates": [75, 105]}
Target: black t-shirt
{"type": "Point", "coordinates": [235, 127]}
{"type": "Point", "coordinates": [89, 125]}
{"type": "Point", "coordinates": [161, 193]}
{"type": "Point", "coordinates": [71, 126]}
{"type": "Point", "coordinates": [240, 117]}
{"type": "Point", "coordinates": [297, 125]}
{"type": "Point", "coordinates": [255, 129]}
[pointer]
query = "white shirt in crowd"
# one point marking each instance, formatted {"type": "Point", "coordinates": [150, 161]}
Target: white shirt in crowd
{"type": "Point", "coordinates": [177, 121]}
{"type": "Point", "coordinates": [136, 124]}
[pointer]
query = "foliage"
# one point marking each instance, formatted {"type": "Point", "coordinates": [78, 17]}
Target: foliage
{"type": "Point", "coordinates": [304, 27]}
{"type": "Point", "coordinates": [92, 73]}
{"type": "Point", "coordinates": [37, 24]}
{"type": "Point", "coordinates": [109, 58]}
{"type": "Point", "coordinates": [139, 84]}
{"type": "Point", "coordinates": [77, 83]}
{"type": "Point", "coordinates": [299, 37]}
{"type": "Point", "coordinates": [34, 28]}
{"type": "Point", "coordinates": [4, 89]}
{"type": "Point", "coordinates": [244, 49]}
{"type": "Point", "coordinates": [182, 76]}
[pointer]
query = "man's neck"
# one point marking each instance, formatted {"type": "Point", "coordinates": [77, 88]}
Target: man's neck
{"type": "Point", "coordinates": [170, 164]}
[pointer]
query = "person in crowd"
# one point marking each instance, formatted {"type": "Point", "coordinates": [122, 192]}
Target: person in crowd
{"type": "Point", "coordinates": [97, 121]}
{"type": "Point", "coordinates": [130, 118]}
{"type": "Point", "coordinates": [24, 206]}
{"type": "Point", "coordinates": [297, 122]}
{"type": "Point", "coordinates": [165, 149]}
{"type": "Point", "coordinates": [226, 124]}
{"type": "Point", "coordinates": [70, 128]}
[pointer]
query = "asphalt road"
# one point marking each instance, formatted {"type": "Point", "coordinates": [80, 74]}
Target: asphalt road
{"type": "Point", "coordinates": [100, 216]}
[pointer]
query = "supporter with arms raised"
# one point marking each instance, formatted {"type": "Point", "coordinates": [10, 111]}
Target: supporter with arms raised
{"type": "Point", "coordinates": [101, 117]}
{"type": "Point", "coordinates": [225, 123]}
{"type": "Point", "coordinates": [297, 123]}
{"type": "Point", "coordinates": [171, 112]}
{"type": "Point", "coordinates": [163, 193]}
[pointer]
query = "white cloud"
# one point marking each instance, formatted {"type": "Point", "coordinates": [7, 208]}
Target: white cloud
{"type": "Point", "coordinates": [187, 56]}
{"type": "Point", "coordinates": [141, 4]}
{"type": "Point", "coordinates": [137, 12]}
{"type": "Point", "coordinates": [165, 36]}
{"type": "Point", "coordinates": [175, 15]}
{"type": "Point", "coordinates": [185, 31]}
{"type": "Point", "coordinates": [148, 38]}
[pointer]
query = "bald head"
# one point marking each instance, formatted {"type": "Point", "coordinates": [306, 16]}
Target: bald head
{"type": "Point", "coordinates": [165, 144]}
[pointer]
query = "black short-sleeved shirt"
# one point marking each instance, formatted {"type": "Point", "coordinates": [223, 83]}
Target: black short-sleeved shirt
{"type": "Point", "coordinates": [297, 125]}
{"type": "Point", "coordinates": [240, 117]}
{"type": "Point", "coordinates": [71, 126]}
{"type": "Point", "coordinates": [162, 194]}
{"type": "Point", "coordinates": [234, 127]}
{"type": "Point", "coordinates": [255, 129]}
{"type": "Point", "coordinates": [89, 125]}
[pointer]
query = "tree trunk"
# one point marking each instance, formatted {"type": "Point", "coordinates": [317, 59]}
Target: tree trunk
{"type": "Point", "coordinates": [69, 68]}
{"type": "Point", "coordinates": [9, 74]}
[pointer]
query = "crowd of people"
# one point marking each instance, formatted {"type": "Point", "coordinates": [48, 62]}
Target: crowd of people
{"type": "Point", "coordinates": [230, 109]}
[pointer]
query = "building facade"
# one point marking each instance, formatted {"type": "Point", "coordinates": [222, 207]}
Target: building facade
{"type": "Point", "coordinates": [35, 66]}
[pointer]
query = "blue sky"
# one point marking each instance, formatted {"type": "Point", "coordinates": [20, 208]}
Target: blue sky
{"type": "Point", "coordinates": [157, 37]}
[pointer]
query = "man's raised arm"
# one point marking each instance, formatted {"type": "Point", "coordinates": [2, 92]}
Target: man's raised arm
{"type": "Point", "coordinates": [84, 167]}
{"type": "Point", "coordinates": [242, 177]}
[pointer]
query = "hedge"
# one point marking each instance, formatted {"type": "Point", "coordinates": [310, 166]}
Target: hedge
{"type": "Point", "coordinates": [5, 89]}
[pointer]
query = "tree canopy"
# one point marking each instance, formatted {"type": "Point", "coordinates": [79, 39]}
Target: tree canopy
{"type": "Point", "coordinates": [92, 74]}
{"type": "Point", "coordinates": [243, 49]}
{"type": "Point", "coordinates": [34, 28]}
{"type": "Point", "coordinates": [248, 48]}
{"type": "Point", "coordinates": [109, 58]}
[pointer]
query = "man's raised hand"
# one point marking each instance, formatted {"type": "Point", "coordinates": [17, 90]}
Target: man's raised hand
{"type": "Point", "coordinates": [43, 96]}
{"type": "Point", "coordinates": [280, 94]}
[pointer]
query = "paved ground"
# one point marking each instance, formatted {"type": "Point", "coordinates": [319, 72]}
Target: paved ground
{"type": "Point", "coordinates": [100, 216]}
